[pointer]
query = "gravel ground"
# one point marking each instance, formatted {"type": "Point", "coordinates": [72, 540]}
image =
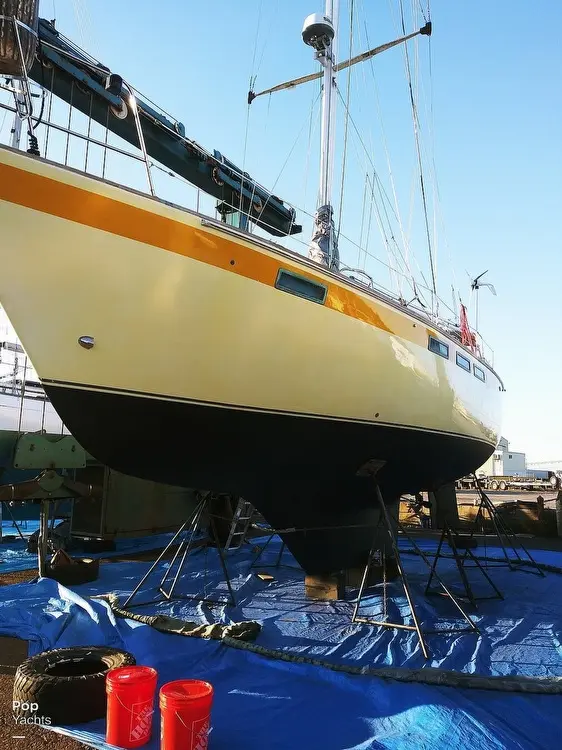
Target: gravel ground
{"type": "Point", "coordinates": [33, 736]}
{"type": "Point", "coordinates": [12, 652]}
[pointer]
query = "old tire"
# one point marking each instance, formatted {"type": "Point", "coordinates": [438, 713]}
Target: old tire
{"type": "Point", "coordinates": [494, 486]}
{"type": "Point", "coordinates": [67, 684]}
{"type": "Point", "coordinates": [503, 486]}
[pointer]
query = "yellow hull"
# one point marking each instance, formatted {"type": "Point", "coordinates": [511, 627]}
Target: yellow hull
{"type": "Point", "coordinates": [170, 323]}
{"type": "Point", "coordinates": [194, 343]}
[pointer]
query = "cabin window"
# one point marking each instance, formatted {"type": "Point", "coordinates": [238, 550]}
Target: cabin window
{"type": "Point", "coordinates": [479, 373]}
{"type": "Point", "coordinates": [438, 347]}
{"type": "Point", "coordinates": [463, 362]}
{"type": "Point", "coordinates": [302, 286]}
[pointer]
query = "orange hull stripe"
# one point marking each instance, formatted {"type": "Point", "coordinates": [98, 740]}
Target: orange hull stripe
{"type": "Point", "coordinates": [101, 212]}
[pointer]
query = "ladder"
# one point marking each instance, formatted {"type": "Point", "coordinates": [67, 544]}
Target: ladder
{"type": "Point", "coordinates": [241, 522]}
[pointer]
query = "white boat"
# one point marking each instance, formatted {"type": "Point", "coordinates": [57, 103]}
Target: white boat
{"type": "Point", "coordinates": [24, 406]}
{"type": "Point", "coordinates": [270, 374]}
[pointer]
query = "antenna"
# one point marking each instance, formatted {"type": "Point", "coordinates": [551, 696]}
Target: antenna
{"type": "Point", "coordinates": [475, 286]}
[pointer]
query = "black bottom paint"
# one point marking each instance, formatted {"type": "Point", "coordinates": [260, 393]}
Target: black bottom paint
{"type": "Point", "coordinates": [299, 472]}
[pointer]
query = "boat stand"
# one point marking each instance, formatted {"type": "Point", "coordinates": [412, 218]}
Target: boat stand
{"type": "Point", "coordinates": [506, 536]}
{"type": "Point", "coordinates": [263, 547]}
{"type": "Point", "coordinates": [385, 521]}
{"type": "Point", "coordinates": [187, 534]}
{"type": "Point", "coordinates": [449, 535]}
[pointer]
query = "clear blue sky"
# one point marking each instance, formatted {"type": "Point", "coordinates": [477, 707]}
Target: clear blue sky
{"type": "Point", "coordinates": [496, 71]}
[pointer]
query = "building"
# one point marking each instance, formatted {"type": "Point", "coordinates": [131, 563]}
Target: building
{"type": "Point", "coordinates": [546, 465]}
{"type": "Point", "coordinates": [504, 462]}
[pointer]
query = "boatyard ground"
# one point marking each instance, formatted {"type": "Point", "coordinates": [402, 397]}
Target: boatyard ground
{"type": "Point", "coordinates": [264, 702]}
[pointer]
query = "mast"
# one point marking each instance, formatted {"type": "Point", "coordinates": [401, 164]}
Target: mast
{"type": "Point", "coordinates": [319, 32]}
{"type": "Point", "coordinates": [328, 111]}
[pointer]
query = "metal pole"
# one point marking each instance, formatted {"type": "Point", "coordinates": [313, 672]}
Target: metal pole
{"type": "Point", "coordinates": [222, 561]}
{"type": "Point", "coordinates": [16, 128]}
{"type": "Point", "coordinates": [43, 537]}
{"type": "Point", "coordinates": [363, 582]}
{"type": "Point", "coordinates": [195, 529]}
{"type": "Point", "coordinates": [402, 574]}
{"type": "Point", "coordinates": [140, 134]}
{"type": "Point", "coordinates": [25, 79]}
{"type": "Point", "coordinates": [328, 111]}
{"type": "Point", "coordinates": [155, 563]}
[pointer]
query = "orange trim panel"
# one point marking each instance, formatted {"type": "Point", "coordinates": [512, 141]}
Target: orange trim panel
{"type": "Point", "coordinates": [109, 215]}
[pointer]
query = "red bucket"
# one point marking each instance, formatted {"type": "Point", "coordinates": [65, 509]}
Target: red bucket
{"type": "Point", "coordinates": [185, 709]}
{"type": "Point", "coordinates": [130, 705]}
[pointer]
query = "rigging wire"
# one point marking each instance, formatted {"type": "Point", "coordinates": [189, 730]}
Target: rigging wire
{"type": "Point", "coordinates": [363, 216]}
{"type": "Point", "coordinates": [260, 9]}
{"type": "Point", "coordinates": [370, 186]}
{"type": "Point", "coordinates": [311, 130]}
{"type": "Point", "coordinates": [415, 122]}
{"type": "Point", "coordinates": [384, 196]}
{"type": "Point", "coordinates": [285, 163]}
{"type": "Point", "coordinates": [253, 77]}
{"type": "Point", "coordinates": [346, 122]}
{"type": "Point", "coordinates": [405, 242]}
{"type": "Point", "coordinates": [83, 23]}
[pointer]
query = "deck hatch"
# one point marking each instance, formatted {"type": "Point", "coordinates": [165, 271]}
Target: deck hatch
{"type": "Point", "coordinates": [287, 281]}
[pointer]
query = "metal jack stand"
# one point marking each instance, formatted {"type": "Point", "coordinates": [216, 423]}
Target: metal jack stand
{"type": "Point", "coordinates": [506, 537]}
{"type": "Point", "coordinates": [449, 534]}
{"type": "Point", "coordinates": [262, 549]}
{"type": "Point", "coordinates": [192, 526]}
{"type": "Point", "coordinates": [385, 520]}
{"type": "Point", "coordinates": [271, 532]}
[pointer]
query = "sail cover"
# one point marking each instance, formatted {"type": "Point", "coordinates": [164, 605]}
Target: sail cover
{"type": "Point", "coordinates": [323, 246]}
{"type": "Point", "coordinates": [25, 13]}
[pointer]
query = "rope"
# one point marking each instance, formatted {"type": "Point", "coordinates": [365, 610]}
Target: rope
{"type": "Point", "coordinates": [424, 675]}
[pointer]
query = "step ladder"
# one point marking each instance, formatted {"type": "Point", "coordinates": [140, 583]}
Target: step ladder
{"type": "Point", "coordinates": [241, 522]}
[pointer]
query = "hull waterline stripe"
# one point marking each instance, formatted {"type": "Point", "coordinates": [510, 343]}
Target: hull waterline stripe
{"type": "Point", "coordinates": [89, 208]}
{"type": "Point", "coordinates": [272, 412]}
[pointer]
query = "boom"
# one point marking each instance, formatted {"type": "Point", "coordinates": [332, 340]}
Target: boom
{"type": "Point", "coordinates": [93, 89]}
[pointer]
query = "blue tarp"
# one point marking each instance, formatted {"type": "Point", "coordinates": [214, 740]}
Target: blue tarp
{"type": "Point", "coordinates": [260, 702]}
{"type": "Point", "coordinates": [14, 555]}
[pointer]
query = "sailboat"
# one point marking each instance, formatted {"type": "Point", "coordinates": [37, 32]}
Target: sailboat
{"type": "Point", "coordinates": [271, 375]}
